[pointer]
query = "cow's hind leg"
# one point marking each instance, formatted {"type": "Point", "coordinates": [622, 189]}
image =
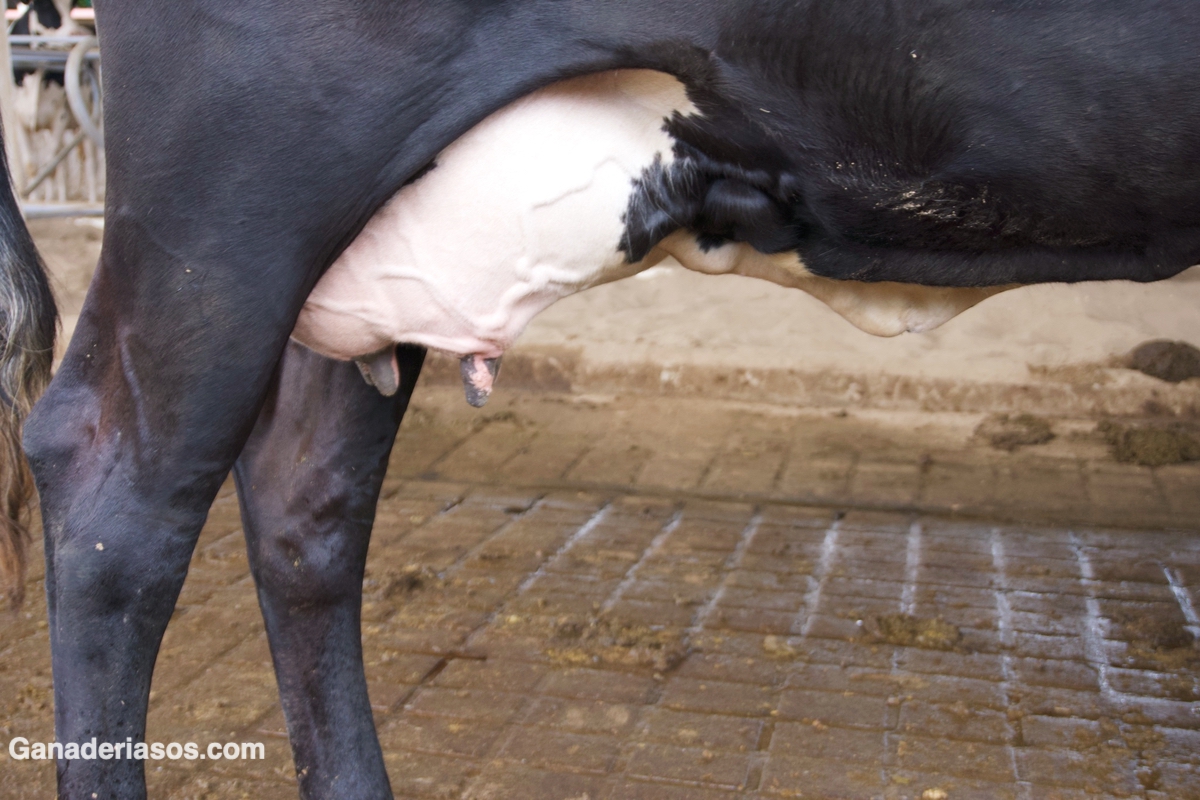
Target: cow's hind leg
{"type": "Point", "coordinates": [308, 479]}
{"type": "Point", "coordinates": [141, 424]}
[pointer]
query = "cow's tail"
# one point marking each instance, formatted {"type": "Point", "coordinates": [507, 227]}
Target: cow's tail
{"type": "Point", "coordinates": [28, 323]}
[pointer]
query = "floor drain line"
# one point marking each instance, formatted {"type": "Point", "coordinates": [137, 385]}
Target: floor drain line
{"type": "Point", "coordinates": [651, 550]}
{"type": "Point", "coordinates": [1175, 579]}
{"type": "Point", "coordinates": [732, 563]}
{"type": "Point", "coordinates": [824, 568]}
{"type": "Point", "coordinates": [1005, 624]}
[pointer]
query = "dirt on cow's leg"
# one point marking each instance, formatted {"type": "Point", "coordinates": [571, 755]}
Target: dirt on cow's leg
{"type": "Point", "coordinates": [308, 480]}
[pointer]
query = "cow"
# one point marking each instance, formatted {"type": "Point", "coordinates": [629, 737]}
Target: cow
{"type": "Point", "coordinates": [848, 146]}
{"type": "Point", "coordinates": [39, 16]}
{"type": "Point", "coordinates": [548, 196]}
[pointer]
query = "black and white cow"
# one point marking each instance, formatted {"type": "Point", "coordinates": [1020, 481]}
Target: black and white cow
{"type": "Point", "coordinates": [554, 193]}
{"type": "Point", "coordinates": [842, 146]}
{"type": "Point", "coordinates": [39, 16]}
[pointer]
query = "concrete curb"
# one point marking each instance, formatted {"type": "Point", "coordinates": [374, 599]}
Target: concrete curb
{"type": "Point", "coordinates": [1085, 391]}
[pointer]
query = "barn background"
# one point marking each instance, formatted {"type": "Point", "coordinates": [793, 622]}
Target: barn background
{"type": "Point", "coordinates": [708, 540]}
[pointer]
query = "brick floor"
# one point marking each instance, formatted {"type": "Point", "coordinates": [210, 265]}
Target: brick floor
{"type": "Point", "coordinates": [590, 598]}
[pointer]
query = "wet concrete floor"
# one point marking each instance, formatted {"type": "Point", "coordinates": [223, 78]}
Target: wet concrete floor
{"type": "Point", "coordinates": [603, 597]}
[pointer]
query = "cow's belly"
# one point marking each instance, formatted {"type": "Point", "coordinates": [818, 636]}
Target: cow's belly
{"type": "Point", "coordinates": [880, 308]}
{"type": "Point", "coordinates": [523, 210]}
{"type": "Point", "coordinates": [526, 209]}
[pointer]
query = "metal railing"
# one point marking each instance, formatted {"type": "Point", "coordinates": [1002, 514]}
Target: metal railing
{"type": "Point", "coordinates": [57, 131]}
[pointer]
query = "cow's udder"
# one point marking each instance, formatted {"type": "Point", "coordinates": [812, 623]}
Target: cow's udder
{"type": "Point", "coordinates": [525, 209]}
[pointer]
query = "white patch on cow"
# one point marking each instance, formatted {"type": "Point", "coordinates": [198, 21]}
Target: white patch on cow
{"type": "Point", "coordinates": [523, 210]}
{"type": "Point", "coordinates": [882, 308]}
